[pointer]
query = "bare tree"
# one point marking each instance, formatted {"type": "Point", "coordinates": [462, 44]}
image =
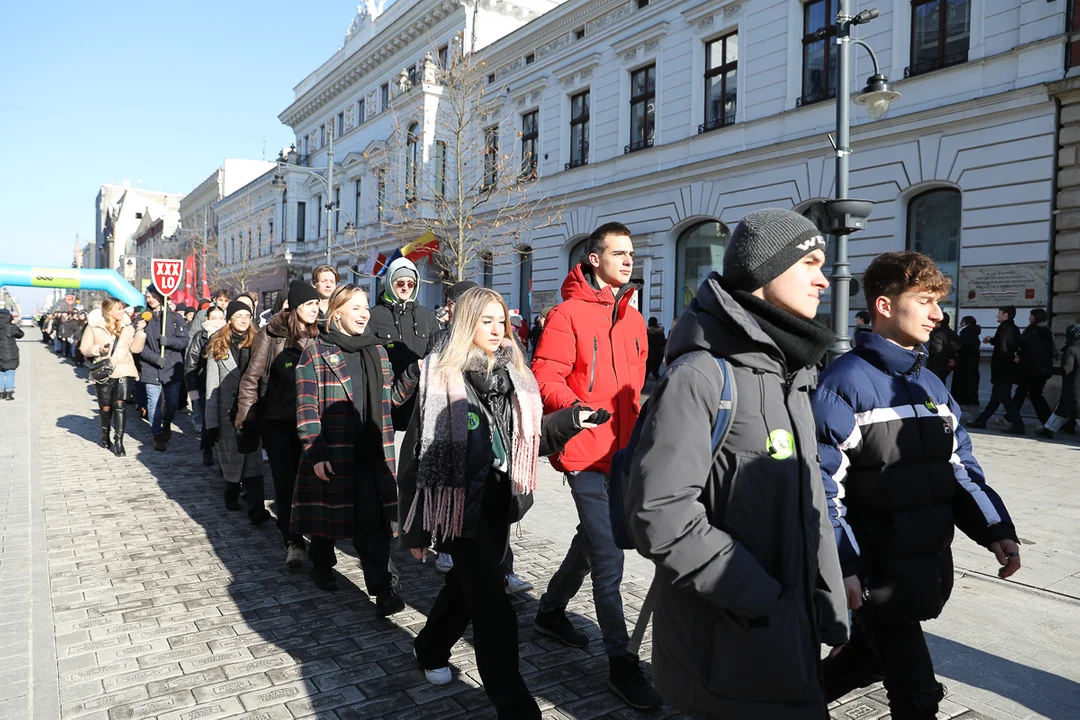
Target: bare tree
{"type": "Point", "coordinates": [445, 173]}
{"type": "Point", "coordinates": [246, 239]}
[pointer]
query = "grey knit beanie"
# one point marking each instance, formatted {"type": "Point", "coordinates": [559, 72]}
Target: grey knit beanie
{"type": "Point", "coordinates": [765, 244]}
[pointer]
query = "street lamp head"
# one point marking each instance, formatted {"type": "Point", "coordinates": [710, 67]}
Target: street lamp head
{"type": "Point", "coordinates": [876, 96]}
{"type": "Point", "coordinates": [278, 183]}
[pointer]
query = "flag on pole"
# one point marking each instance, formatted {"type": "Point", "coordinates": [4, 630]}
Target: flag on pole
{"type": "Point", "coordinates": [380, 271]}
{"type": "Point", "coordinates": [374, 265]}
{"type": "Point", "coordinates": [422, 247]}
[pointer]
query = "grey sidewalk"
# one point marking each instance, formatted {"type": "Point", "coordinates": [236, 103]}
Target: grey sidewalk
{"type": "Point", "coordinates": [129, 592]}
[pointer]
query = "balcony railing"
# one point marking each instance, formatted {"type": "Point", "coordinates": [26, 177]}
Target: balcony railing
{"type": "Point", "coordinates": [576, 163]}
{"type": "Point", "coordinates": [957, 58]}
{"type": "Point", "coordinates": [816, 97]}
{"type": "Point", "coordinates": [716, 123]}
{"type": "Point", "coordinates": [638, 145]}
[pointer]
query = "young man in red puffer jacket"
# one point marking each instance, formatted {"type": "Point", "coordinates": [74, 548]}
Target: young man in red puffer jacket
{"type": "Point", "coordinates": [593, 352]}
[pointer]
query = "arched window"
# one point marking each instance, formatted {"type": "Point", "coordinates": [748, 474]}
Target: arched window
{"type": "Point", "coordinates": [487, 269]}
{"type": "Point", "coordinates": [577, 254]}
{"type": "Point", "coordinates": [412, 152]}
{"type": "Point", "coordinates": [933, 228]}
{"type": "Point", "coordinates": [816, 214]}
{"type": "Point", "coordinates": [698, 251]}
{"type": "Point", "coordinates": [525, 273]}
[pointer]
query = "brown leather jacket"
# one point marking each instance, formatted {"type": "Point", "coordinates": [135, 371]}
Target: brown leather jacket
{"type": "Point", "coordinates": [269, 342]}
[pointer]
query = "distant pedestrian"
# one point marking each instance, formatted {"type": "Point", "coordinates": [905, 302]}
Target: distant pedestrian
{"type": "Point", "coordinates": [228, 353]}
{"type": "Point", "coordinates": [345, 487]}
{"type": "Point", "coordinates": [656, 341]}
{"type": "Point", "coordinates": [162, 367]}
{"type": "Point", "coordinates": [266, 402]}
{"type": "Point", "coordinates": [1069, 402]}
{"type": "Point", "coordinates": [195, 372]}
{"type": "Point", "coordinates": [1037, 353]}
{"type": "Point", "coordinates": [1003, 372]}
{"type": "Point", "coordinates": [862, 322]}
{"type": "Point", "coordinates": [593, 352]}
{"type": "Point", "coordinates": [9, 353]}
{"type": "Point", "coordinates": [965, 379]}
{"type": "Point", "coordinates": [899, 474]}
{"type": "Point", "coordinates": [109, 334]}
{"type": "Point", "coordinates": [943, 347]}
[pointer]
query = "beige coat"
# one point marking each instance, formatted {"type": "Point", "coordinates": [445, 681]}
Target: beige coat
{"type": "Point", "coordinates": [129, 343]}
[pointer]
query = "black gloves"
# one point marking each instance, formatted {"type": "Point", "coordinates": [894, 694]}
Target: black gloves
{"type": "Point", "coordinates": [599, 417]}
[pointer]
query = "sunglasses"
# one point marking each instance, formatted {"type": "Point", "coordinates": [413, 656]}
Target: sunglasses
{"type": "Point", "coordinates": [403, 284]}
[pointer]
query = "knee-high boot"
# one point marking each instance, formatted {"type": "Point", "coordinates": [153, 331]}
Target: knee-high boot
{"type": "Point", "coordinates": [256, 498]}
{"type": "Point", "coordinates": [106, 426]}
{"type": "Point", "coordinates": [119, 423]}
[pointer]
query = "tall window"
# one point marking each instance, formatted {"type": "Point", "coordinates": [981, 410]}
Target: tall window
{"type": "Point", "coordinates": [819, 53]}
{"type": "Point", "coordinates": [318, 216]}
{"type": "Point", "coordinates": [380, 192]}
{"type": "Point", "coordinates": [301, 221]}
{"type": "Point", "coordinates": [579, 130]}
{"type": "Point", "coordinates": [933, 229]}
{"type": "Point", "coordinates": [642, 108]}
{"type": "Point", "coordinates": [356, 203]}
{"type": "Point", "coordinates": [304, 150]}
{"type": "Point", "coordinates": [340, 124]}
{"type": "Point", "coordinates": [322, 135]}
{"type": "Point", "coordinates": [721, 83]}
{"type": "Point", "coordinates": [337, 208]}
{"type": "Point", "coordinates": [530, 133]}
{"type": "Point", "coordinates": [360, 112]}
{"type": "Point", "coordinates": [940, 34]}
{"type": "Point", "coordinates": [444, 57]}
{"type": "Point", "coordinates": [384, 96]}
{"type": "Point", "coordinates": [578, 254]}
{"type": "Point", "coordinates": [491, 156]}
{"type": "Point", "coordinates": [698, 251]}
{"type": "Point", "coordinates": [525, 273]}
{"type": "Point", "coordinates": [412, 163]}
{"type": "Point", "coordinates": [440, 167]}
{"type": "Point", "coordinates": [487, 269]}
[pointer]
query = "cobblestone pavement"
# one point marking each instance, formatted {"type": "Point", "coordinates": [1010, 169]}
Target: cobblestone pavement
{"type": "Point", "coordinates": [127, 591]}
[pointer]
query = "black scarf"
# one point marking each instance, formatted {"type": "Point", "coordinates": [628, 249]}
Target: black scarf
{"type": "Point", "coordinates": [361, 354]}
{"type": "Point", "coordinates": [242, 355]}
{"type": "Point", "coordinates": [803, 342]}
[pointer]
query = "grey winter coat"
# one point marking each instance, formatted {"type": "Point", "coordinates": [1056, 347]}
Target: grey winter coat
{"type": "Point", "coordinates": [222, 385]}
{"type": "Point", "coordinates": [746, 566]}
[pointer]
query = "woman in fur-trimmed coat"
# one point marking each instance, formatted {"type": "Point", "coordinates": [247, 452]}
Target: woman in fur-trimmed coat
{"type": "Point", "coordinates": [345, 487]}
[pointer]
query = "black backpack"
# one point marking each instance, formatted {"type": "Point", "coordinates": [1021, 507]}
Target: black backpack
{"type": "Point", "coordinates": [619, 478]}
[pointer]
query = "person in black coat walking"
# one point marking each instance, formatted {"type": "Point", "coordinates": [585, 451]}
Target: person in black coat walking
{"type": "Point", "coordinates": [9, 354]}
{"type": "Point", "coordinates": [162, 367]}
{"type": "Point", "coordinates": [1036, 364]}
{"type": "Point", "coordinates": [1070, 385]}
{"type": "Point", "coordinates": [656, 341]}
{"type": "Point", "coordinates": [965, 380]}
{"type": "Point", "coordinates": [402, 325]}
{"type": "Point", "coordinates": [1006, 342]}
{"type": "Point", "coordinates": [944, 345]}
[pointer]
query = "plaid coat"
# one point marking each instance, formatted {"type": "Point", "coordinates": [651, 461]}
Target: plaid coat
{"type": "Point", "coordinates": [327, 424]}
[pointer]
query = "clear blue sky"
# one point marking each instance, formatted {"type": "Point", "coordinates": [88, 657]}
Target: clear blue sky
{"type": "Point", "coordinates": [154, 93]}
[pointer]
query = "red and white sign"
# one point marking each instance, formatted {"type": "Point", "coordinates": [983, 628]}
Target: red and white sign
{"type": "Point", "coordinates": [167, 275]}
{"type": "Point", "coordinates": [70, 299]}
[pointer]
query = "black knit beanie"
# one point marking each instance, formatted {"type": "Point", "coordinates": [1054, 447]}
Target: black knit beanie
{"type": "Point", "coordinates": [459, 289]}
{"type": "Point", "coordinates": [234, 307]}
{"type": "Point", "coordinates": [301, 292]}
{"type": "Point", "coordinates": [765, 244]}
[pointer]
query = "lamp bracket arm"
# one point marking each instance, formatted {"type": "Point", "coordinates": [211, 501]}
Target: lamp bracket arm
{"type": "Point", "coordinates": [873, 55]}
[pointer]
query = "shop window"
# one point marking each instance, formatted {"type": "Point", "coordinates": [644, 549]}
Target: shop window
{"type": "Point", "coordinates": [698, 251]}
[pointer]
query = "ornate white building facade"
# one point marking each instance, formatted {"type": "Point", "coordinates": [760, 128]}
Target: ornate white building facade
{"type": "Point", "coordinates": [679, 117]}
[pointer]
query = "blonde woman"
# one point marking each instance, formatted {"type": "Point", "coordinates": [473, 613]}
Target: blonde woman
{"type": "Point", "coordinates": [345, 486]}
{"type": "Point", "coordinates": [469, 465]}
{"type": "Point", "coordinates": [109, 335]}
{"type": "Point", "coordinates": [228, 352]}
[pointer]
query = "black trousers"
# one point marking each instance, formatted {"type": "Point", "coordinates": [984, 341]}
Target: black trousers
{"type": "Point", "coordinates": [371, 538]}
{"type": "Point", "coordinates": [283, 449]}
{"type": "Point", "coordinates": [893, 652]}
{"type": "Point", "coordinates": [1033, 387]}
{"type": "Point", "coordinates": [1001, 394]}
{"type": "Point", "coordinates": [474, 592]}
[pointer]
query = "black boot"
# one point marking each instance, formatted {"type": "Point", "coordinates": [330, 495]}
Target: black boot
{"type": "Point", "coordinates": [256, 500]}
{"type": "Point", "coordinates": [106, 427]}
{"type": "Point", "coordinates": [119, 423]}
{"type": "Point", "coordinates": [232, 496]}
{"type": "Point", "coordinates": [208, 457]}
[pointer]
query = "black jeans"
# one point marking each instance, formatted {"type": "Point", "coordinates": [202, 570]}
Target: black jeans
{"type": "Point", "coordinates": [283, 449]}
{"type": "Point", "coordinates": [893, 652]}
{"type": "Point", "coordinates": [1033, 387]}
{"type": "Point", "coordinates": [474, 591]}
{"type": "Point", "coordinates": [1001, 394]}
{"type": "Point", "coordinates": [371, 538]}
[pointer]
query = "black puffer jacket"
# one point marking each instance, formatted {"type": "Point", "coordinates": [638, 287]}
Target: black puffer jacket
{"type": "Point", "coordinates": [1003, 368]}
{"type": "Point", "coordinates": [404, 329]}
{"type": "Point", "coordinates": [1036, 352]}
{"type": "Point", "coordinates": [154, 368]}
{"type": "Point", "coordinates": [9, 333]}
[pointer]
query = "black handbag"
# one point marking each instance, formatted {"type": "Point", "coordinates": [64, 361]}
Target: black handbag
{"type": "Point", "coordinates": [101, 370]}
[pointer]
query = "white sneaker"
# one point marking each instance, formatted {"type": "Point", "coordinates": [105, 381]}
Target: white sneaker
{"type": "Point", "coordinates": [439, 676]}
{"type": "Point", "coordinates": [294, 556]}
{"type": "Point", "coordinates": [515, 584]}
{"type": "Point", "coordinates": [444, 563]}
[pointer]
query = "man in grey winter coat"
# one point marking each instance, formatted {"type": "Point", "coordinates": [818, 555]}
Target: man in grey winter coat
{"type": "Point", "coordinates": [747, 575]}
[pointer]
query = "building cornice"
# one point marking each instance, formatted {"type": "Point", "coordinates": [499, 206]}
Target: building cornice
{"type": "Point", "coordinates": [582, 65]}
{"type": "Point", "coordinates": [403, 31]}
{"type": "Point", "coordinates": [649, 35]}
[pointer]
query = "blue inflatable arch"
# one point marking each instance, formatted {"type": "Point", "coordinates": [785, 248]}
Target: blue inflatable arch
{"type": "Point", "coordinates": [72, 279]}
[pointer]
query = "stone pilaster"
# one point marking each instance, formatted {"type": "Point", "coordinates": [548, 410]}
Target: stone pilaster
{"type": "Point", "coordinates": [1065, 245]}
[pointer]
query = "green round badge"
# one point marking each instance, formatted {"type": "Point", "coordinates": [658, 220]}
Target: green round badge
{"type": "Point", "coordinates": [474, 421]}
{"type": "Point", "coordinates": [780, 445]}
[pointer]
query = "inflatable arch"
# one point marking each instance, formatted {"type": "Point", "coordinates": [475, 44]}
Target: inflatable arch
{"type": "Point", "coordinates": [70, 278]}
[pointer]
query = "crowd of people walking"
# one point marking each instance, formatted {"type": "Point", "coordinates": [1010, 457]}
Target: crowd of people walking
{"type": "Point", "coordinates": [775, 504]}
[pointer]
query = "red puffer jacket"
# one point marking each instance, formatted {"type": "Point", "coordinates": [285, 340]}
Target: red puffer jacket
{"type": "Point", "coordinates": [592, 351]}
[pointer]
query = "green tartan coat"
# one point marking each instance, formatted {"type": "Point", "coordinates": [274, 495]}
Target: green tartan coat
{"type": "Point", "coordinates": [327, 424]}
